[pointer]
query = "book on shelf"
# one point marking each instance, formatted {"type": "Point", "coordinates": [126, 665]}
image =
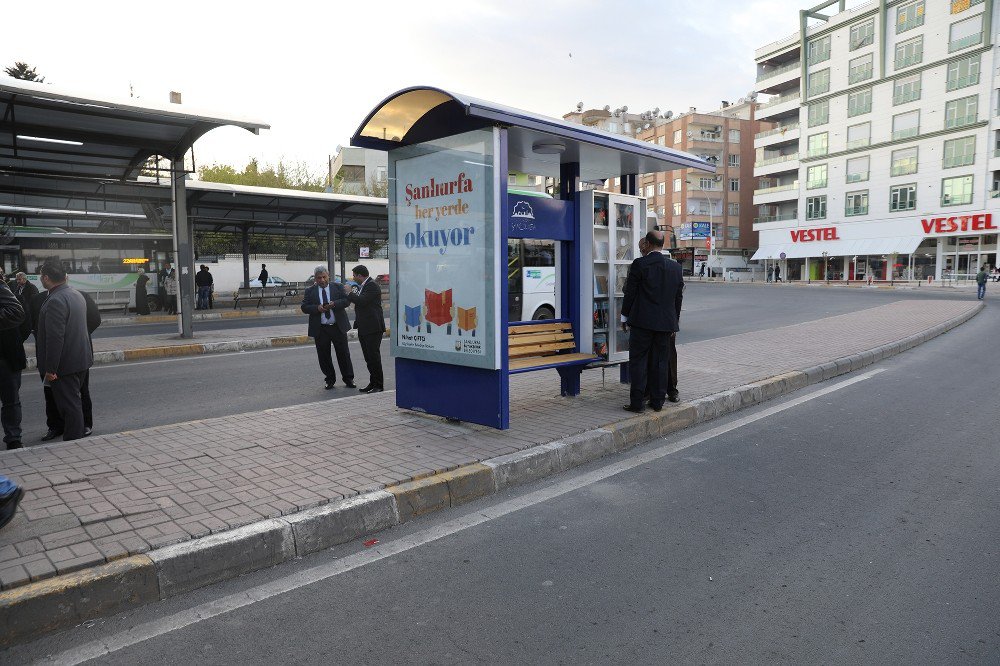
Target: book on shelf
{"type": "Point", "coordinates": [600, 250]}
{"type": "Point", "coordinates": [600, 285]}
{"type": "Point", "coordinates": [601, 314]}
{"type": "Point", "coordinates": [601, 345]}
{"type": "Point", "coordinates": [600, 212]}
{"type": "Point", "coordinates": [624, 249]}
{"type": "Point", "coordinates": [620, 280]}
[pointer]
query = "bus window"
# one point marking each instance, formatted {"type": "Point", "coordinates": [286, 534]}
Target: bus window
{"type": "Point", "coordinates": [539, 253]}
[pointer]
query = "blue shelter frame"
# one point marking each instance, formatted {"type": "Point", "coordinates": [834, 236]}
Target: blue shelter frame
{"type": "Point", "coordinates": [523, 142]}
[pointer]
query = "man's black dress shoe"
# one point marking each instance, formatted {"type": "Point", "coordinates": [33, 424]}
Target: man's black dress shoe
{"type": "Point", "coordinates": [656, 408]}
{"type": "Point", "coordinates": [375, 389]}
{"type": "Point", "coordinates": [50, 435]}
{"type": "Point", "coordinates": [673, 398]}
{"type": "Point", "coordinates": [87, 432]}
{"type": "Point", "coordinates": [350, 385]}
{"type": "Point", "coordinates": [329, 385]}
{"type": "Point", "coordinates": [636, 410]}
{"type": "Point", "coordinates": [367, 389]}
{"type": "Point", "coordinates": [14, 445]}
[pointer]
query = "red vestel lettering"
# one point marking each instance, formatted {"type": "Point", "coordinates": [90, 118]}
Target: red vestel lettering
{"type": "Point", "coordinates": [959, 223]}
{"type": "Point", "coordinates": [810, 235]}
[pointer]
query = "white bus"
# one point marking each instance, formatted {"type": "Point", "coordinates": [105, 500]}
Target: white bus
{"type": "Point", "coordinates": [531, 279]}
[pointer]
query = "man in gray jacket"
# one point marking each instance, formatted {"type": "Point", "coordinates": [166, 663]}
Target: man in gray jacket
{"type": "Point", "coordinates": [63, 350]}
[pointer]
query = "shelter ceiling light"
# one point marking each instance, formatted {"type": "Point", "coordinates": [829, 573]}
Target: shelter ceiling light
{"type": "Point", "coordinates": [43, 139]}
{"type": "Point", "coordinates": [548, 147]}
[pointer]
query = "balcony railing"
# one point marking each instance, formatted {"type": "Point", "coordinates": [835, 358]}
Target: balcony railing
{"type": "Point", "coordinates": [915, 22]}
{"type": "Point", "coordinates": [859, 75]}
{"type": "Point", "coordinates": [996, 152]}
{"type": "Point", "coordinates": [820, 89]}
{"type": "Point", "coordinates": [708, 137]}
{"type": "Point", "coordinates": [776, 160]}
{"type": "Point", "coordinates": [962, 81]}
{"type": "Point", "coordinates": [858, 143]}
{"type": "Point", "coordinates": [855, 210]}
{"type": "Point", "coordinates": [818, 57]}
{"type": "Point", "coordinates": [777, 218]}
{"type": "Point", "coordinates": [905, 133]}
{"type": "Point", "coordinates": [777, 188]}
{"type": "Point", "coordinates": [904, 97]}
{"type": "Point", "coordinates": [960, 121]}
{"type": "Point", "coordinates": [787, 97]}
{"type": "Point", "coordinates": [779, 70]}
{"type": "Point", "coordinates": [957, 161]}
{"type": "Point", "coordinates": [965, 42]}
{"type": "Point", "coordinates": [912, 59]}
{"type": "Point", "coordinates": [777, 130]}
{"type": "Point", "coordinates": [857, 177]}
{"type": "Point", "coordinates": [903, 169]}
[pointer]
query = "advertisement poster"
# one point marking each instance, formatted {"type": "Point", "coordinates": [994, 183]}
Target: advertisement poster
{"type": "Point", "coordinates": [694, 230]}
{"type": "Point", "coordinates": [442, 251]}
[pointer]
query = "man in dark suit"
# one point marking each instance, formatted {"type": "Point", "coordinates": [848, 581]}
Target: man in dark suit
{"type": "Point", "coordinates": [650, 313]}
{"type": "Point", "coordinates": [368, 319]}
{"type": "Point", "coordinates": [263, 275]}
{"type": "Point", "coordinates": [12, 315]}
{"type": "Point", "coordinates": [53, 419]}
{"type": "Point", "coordinates": [63, 351]}
{"type": "Point", "coordinates": [326, 305]}
{"type": "Point", "coordinates": [12, 362]}
{"type": "Point", "coordinates": [24, 290]}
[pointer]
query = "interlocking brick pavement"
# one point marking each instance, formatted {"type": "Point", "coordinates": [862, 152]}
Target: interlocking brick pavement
{"type": "Point", "coordinates": [110, 496]}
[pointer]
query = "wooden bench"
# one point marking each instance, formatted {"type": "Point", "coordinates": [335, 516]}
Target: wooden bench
{"type": "Point", "coordinates": [549, 344]}
{"type": "Point", "coordinates": [112, 299]}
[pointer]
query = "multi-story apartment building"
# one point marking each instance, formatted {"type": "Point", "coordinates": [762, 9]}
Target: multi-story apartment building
{"type": "Point", "coordinates": [689, 204]}
{"type": "Point", "coordinates": [884, 161]}
{"type": "Point", "coordinates": [358, 171]}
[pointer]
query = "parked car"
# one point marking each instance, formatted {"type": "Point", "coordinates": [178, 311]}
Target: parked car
{"type": "Point", "coordinates": [382, 279]}
{"type": "Point", "coordinates": [272, 281]}
{"type": "Point", "coordinates": [337, 279]}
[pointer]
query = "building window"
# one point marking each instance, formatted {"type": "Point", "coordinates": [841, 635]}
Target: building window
{"type": "Point", "coordinates": [816, 177]}
{"type": "Point", "coordinates": [706, 183]}
{"type": "Point", "coordinates": [910, 52]}
{"type": "Point", "coordinates": [959, 6]}
{"type": "Point", "coordinates": [859, 135]}
{"type": "Point", "coordinates": [862, 34]}
{"type": "Point", "coordinates": [661, 140]}
{"type": "Point", "coordinates": [857, 169]}
{"type": "Point", "coordinates": [613, 127]}
{"type": "Point", "coordinates": [677, 208]}
{"type": "Point", "coordinates": [963, 73]}
{"type": "Point", "coordinates": [677, 136]}
{"type": "Point", "coordinates": [819, 50]}
{"type": "Point", "coordinates": [818, 144]}
{"type": "Point", "coordinates": [661, 188]}
{"type": "Point", "coordinates": [860, 69]}
{"type": "Point", "coordinates": [906, 125]}
{"type": "Point", "coordinates": [819, 82]}
{"type": "Point", "coordinates": [959, 152]}
{"type": "Point", "coordinates": [965, 33]}
{"type": "Point", "coordinates": [961, 112]}
{"type": "Point", "coordinates": [856, 203]}
{"type": "Point", "coordinates": [734, 209]}
{"type": "Point", "coordinates": [649, 191]}
{"type": "Point", "coordinates": [816, 208]}
{"type": "Point", "coordinates": [661, 211]}
{"type": "Point", "coordinates": [904, 161]}
{"type": "Point", "coordinates": [906, 89]}
{"type": "Point", "coordinates": [909, 16]}
{"type": "Point", "coordinates": [819, 113]}
{"type": "Point", "coordinates": [677, 184]}
{"type": "Point", "coordinates": [956, 191]}
{"type": "Point", "coordinates": [734, 160]}
{"type": "Point", "coordinates": [734, 233]}
{"type": "Point", "coordinates": [734, 136]}
{"type": "Point", "coordinates": [734, 184]}
{"type": "Point", "coordinates": [903, 197]}
{"type": "Point", "coordinates": [859, 102]}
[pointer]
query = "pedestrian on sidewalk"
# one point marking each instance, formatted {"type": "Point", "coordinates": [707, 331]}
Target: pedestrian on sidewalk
{"type": "Point", "coordinates": [204, 281]}
{"type": "Point", "coordinates": [770, 273]}
{"type": "Point", "coordinates": [650, 312]}
{"type": "Point", "coordinates": [53, 420]}
{"type": "Point", "coordinates": [171, 291]}
{"type": "Point", "coordinates": [326, 304]}
{"type": "Point", "coordinates": [370, 322]}
{"type": "Point", "coordinates": [12, 362]}
{"type": "Point", "coordinates": [141, 297]}
{"type": "Point", "coordinates": [64, 353]}
{"type": "Point", "coordinates": [981, 278]}
{"type": "Point", "coordinates": [25, 291]}
{"type": "Point", "coordinates": [777, 273]}
{"type": "Point", "coordinates": [263, 275]}
{"type": "Point", "coordinates": [12, 315]}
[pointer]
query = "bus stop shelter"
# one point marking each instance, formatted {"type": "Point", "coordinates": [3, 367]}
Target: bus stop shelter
{"type": "Point", "coordinates": [449, 218]}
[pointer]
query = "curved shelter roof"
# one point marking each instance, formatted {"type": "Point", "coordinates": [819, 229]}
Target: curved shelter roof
{"type": "Point", "coordinates": [45, 130]}
{"type": "Point", "coordinates": [536, 144]}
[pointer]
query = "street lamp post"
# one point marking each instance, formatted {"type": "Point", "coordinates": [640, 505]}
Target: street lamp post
{"type": "Point", "coordinates": [826, 267]}
{"type": "Point", "coordinates": [713, 250]}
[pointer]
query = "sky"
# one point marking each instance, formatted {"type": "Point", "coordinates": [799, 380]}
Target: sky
{"type": "Point", "coordinates": [314, 70]}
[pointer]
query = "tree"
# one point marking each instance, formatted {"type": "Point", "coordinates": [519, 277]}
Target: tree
{"type": "Point", "coordinates": [23, 71]}
{"type": "Point", "coordinates": [296, 176]}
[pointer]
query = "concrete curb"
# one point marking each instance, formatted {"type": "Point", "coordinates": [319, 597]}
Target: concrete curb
{"type": "Point", "coordinates": [32, 610]}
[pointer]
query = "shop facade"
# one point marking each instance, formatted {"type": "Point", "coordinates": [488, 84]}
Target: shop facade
{"type": "Point", "coordinates": [938, 247]}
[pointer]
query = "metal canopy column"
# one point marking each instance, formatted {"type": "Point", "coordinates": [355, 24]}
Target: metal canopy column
{"type": "Point", "coordinates": [183, 247]}
{"type": "Point", "coordinates": [245, 248]}
{"type": "Point", "coordinates": [331, 247]}
{"type": "Point", "coordinates": [343, 267]}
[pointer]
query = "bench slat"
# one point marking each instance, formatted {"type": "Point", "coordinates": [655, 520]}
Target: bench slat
{"type": "Point", "coordinates": [536, 350]}
{"type": "Point", "coordinates": [538, 328]}
{"type": "Point", "coordinates": [541, 337]}
{"type": "Point", "coordinates": [542, 361]}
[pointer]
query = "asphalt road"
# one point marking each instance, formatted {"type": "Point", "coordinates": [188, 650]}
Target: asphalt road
{"type": "Point", "coordinates": [855, 526]}
{"type": "Point", "coordinates": [149, 393]}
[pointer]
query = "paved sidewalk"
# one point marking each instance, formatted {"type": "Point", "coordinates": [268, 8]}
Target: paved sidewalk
{"type": "Point", "coordinates": [106, 497]}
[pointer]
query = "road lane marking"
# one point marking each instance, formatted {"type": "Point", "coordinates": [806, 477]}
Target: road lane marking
{"type": "Point", "coordinates": [226, 604]}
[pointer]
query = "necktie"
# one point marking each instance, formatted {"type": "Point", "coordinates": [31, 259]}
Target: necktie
{"type": "Point", "coordinates": [324, 300]}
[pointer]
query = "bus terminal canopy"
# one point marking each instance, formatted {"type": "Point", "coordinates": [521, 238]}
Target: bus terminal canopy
{"type": "Point", "coordinates": [537, 144]}
{"type": "Point", "coordinates": [48, 131]}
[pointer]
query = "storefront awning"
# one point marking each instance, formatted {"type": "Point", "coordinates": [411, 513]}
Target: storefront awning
{"type": "Point", "coordinates": [841, 248]}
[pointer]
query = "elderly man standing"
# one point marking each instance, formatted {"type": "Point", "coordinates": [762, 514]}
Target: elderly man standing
{"type": "Point", "coordinates": [328, 325]}
{"type": "Point", "coordinates": [24, 290]}
{"type": "Point", "coordinates": [63, 351]}
{"type": "Point", "coordinates": [650, 312]}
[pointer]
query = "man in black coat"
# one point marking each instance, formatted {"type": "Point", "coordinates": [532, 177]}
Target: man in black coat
{"type": "Point", "coordinates": [650, 313]}
{"type": "Point", "coordinates": [370, 322]}
{"type": "Point", "coordinates": [326, 305]}
{"type": "Point", "coordinates": [12, 362]}
{"type": "Point", "coordinates": [11, 316]}
{"type": "Point", "coordinates": [24, 290]}
{"type": "Point", "coordinates": [263, 275]}
{"type": "Point", "coordinates": [53, 419]}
